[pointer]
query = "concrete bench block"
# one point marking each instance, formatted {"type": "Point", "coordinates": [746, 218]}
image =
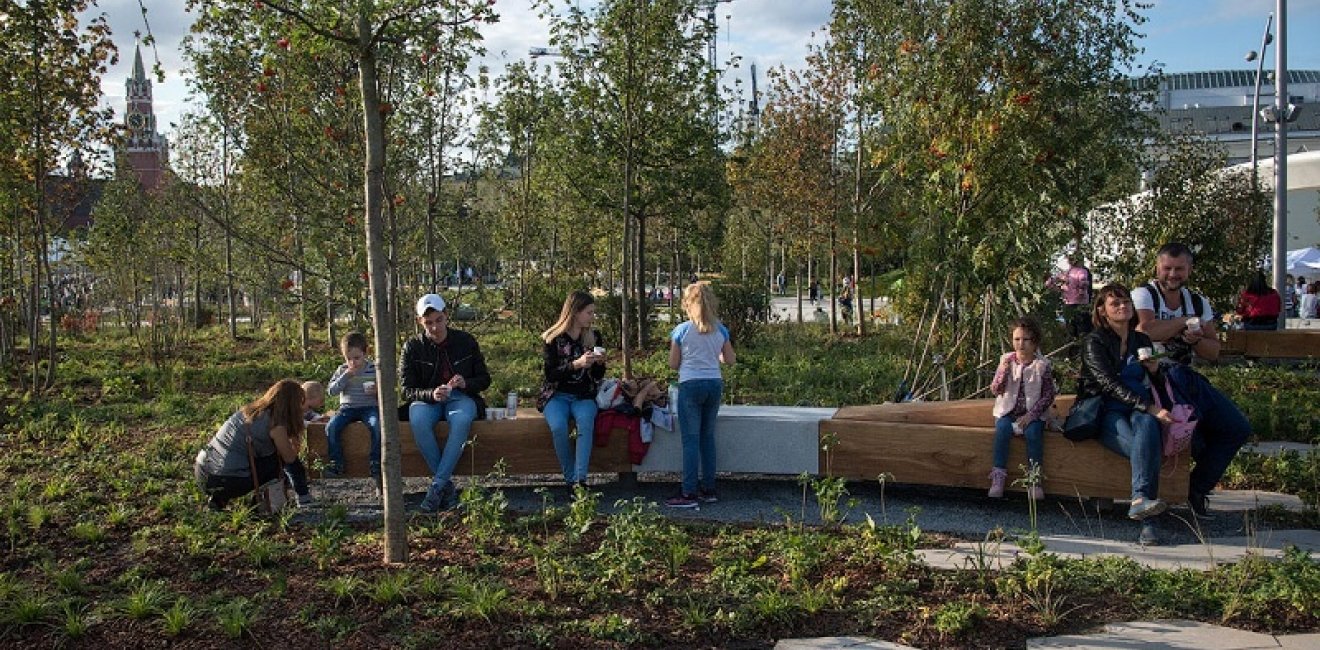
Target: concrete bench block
{"type": "Point", "coordinates": [752, 440]}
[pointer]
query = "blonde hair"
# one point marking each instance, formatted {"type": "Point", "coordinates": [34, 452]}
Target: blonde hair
{"type": "Point", "coordinates": [573, 305]}
{"type": "Point", "coordinates": [701, 306]}
{"type": "Point", "coordinates": [313, 389]}
{"type": "Point", "coordinates": [284, 400]}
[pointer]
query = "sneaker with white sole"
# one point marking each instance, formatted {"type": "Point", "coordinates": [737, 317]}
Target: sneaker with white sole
{"type": "Point", "coordinates": [705, 496]}
{"type": "Point", "coordinates": [683, 501]}
{"type": "Point", "coordinates": [1143, 508]}
{"type": "Point", "coordinates": [306, 500]}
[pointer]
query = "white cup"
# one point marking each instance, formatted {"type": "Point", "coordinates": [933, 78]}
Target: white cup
{"type": "Point", "coordinates": [490, 414]}
{"type": "Point", "coordinates": [1144, 353]}
{"type": "Point", "coordinates": [1193, 324]}
{"type": "Point", "coordinates": [369, 386]}
{"type": "Point", "coordinates": [598, 351]}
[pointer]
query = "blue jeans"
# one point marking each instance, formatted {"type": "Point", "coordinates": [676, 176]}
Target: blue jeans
{"type": "Point", "coordinates": [583, 411]}
{"type": "Point", "coordinates": [1222, 431]}
{"type": "Point", "coordinates": [698, 405]}
{"type": "Point", "coordinates": [459, 411]}
{"type": "Point", "coordinates": [1135, 435]}
{"type": "Point", "coordinates": [1035, 434]}
{"type": "Point", "coordinates": [368, 415]}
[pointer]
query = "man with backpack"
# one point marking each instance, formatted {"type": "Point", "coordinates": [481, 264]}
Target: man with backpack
{"type": "Point", "coordinates": [1171, 314]}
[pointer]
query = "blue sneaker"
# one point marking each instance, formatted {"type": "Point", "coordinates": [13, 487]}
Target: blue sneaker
{"type": "Point", "coordinates": [437, 499]}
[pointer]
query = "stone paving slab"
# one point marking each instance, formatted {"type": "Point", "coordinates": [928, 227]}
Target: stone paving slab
{"type": "Point", "coordinates": [1272, 448]}
{"type": "Point", "coordinates": [839, 643]}
{"type": "Point", "coordinates": [1299, 641]}
{"type": "Point", "coordinates": [977, 555]}
{"type": "Point", "coordinates": [1244, 500]}
{"type": "Point", "coordinates": [1172, 634]}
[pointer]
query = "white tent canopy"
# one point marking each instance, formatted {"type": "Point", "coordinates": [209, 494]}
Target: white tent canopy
{"type": "Point", "coordinates": [1303, 261]}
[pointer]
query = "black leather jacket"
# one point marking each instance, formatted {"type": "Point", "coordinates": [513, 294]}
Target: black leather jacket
{"type": "Point", "coordinates": [1101, 364]}
{"type": "Point", "coordinates": [424, 365]}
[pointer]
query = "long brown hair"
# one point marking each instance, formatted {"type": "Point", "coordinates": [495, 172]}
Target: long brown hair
{"type": "Point", "coordinates": [1098, 309]}
{"type": "Point", "coordinates": [573, 305]}
{"type": "Point", "coordinates": [284, 401]}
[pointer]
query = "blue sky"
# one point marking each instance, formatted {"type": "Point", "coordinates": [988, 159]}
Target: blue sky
{"type": "Point", "coordinates": [1184, 35]}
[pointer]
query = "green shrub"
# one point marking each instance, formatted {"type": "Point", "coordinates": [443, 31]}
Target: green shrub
{"type": "Point", "coordinates": [542, 299]}
{"type": "Point", "coordinates": [745, 310]}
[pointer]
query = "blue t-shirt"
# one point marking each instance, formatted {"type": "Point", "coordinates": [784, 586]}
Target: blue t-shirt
{"type": "Point", "coordinates": [701, 352]}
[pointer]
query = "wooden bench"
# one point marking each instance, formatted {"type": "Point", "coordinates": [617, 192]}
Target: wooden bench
{"type": "Point", "coordinates": [923, 443]}
{"type": "Point", "coordinates": [951, 444]}
{"type": "Point", "coordinates": [524, 444]}
{"type": "Point", "coordinates": [1287, 344]}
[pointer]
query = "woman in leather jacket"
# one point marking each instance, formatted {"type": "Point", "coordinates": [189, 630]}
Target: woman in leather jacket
{"type": "Point", "coordinates": [1129, 419]}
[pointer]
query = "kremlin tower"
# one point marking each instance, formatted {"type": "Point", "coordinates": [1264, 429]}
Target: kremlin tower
{"type": "Point", "coordinates": [147, 150]}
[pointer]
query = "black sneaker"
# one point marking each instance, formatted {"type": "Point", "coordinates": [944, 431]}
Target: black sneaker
{"type": "Point", "coordinates": [1200, 505]}
{"type": "Point", "coordinates": [707, 497]}
{"type": "Point", "coordinates": [437, 499]}
{"type": "Point", "coordinates": [1149, 535]}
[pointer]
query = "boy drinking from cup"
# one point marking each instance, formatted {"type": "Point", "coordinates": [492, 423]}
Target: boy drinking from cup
{"type": "Point", "coordinates": [355, 384]}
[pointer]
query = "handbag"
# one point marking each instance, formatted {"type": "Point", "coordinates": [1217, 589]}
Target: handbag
{"type": "Point", "coordinates": [543, 397]}
{"type": "Point", "coordinates": [1178, 433]}
{"type": "Point", "coordinates": [1083, 421]}
{"type": "Point", "coordinates": [272, 496]}
{"type": "Point", "coordinates": [609, 394]}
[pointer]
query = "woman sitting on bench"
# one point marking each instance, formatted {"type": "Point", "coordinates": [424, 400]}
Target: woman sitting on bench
{"type": "Point", "coordinates": [1129, 420]}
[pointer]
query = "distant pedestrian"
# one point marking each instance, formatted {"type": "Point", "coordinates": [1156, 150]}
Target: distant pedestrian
{"type": "Point", "coordinates": [1259, 305]}
{"type": "Point", "coordinates": [1290, 297]}
{"type": "Point", "coordinates": [1075, 284]}
{"type": "Point", "coordinates": [813, 292]}
{"type": "Point", "coordinates": [780, 283]}
{"type": "Point", "coordinates": [1309, 307]}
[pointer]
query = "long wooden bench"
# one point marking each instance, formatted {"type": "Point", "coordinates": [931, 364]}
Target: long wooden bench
{"type": "Point", "coordinates": [923, 443]}
{"type": "Point", "coordinates": [1287, 344]}
{"type": "Point", "coordinates": [951, 444]}
{"type": "Point", "coordinates": [523, 443]}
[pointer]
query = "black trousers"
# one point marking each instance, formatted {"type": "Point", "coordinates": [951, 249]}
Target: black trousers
{"type": "Point", "coordinates": [220, 490]}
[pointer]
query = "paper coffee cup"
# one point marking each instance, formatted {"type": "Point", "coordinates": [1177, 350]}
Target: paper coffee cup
{"type": "Point", "coordinates": [1193, 324]}
{"type": "Point", "coordinates": [490, 414]}
{"type": "Point", "coordinates": [598, 351]}
{"type": "Point", "coordinates": [1144, 353]}
{"type": "Point", "coordinates": [368, 386]}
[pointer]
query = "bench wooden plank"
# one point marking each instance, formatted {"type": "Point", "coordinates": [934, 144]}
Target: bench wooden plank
{"type": "Point", "coordinates": [524, 444]}
{"type": "Point", "coordinates": [963, 413]}
{"type": "Point", "coordinates": [959, 456]}
{"type": "Point", "coordinates": [1287, 344]}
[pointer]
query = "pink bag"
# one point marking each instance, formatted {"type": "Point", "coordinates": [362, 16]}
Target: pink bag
{"type": "Point", "coordinates": [1177, 434]}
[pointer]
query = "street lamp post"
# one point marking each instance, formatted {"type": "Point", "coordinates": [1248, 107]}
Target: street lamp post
{"type": "Point", "coordinates": [1282, 113]}
{"type": "Point", "coordinates": [1255, 103]}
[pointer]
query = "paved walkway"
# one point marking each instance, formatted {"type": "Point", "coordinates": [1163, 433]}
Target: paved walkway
{"type": "Point", "coordinates": [1152, 635]}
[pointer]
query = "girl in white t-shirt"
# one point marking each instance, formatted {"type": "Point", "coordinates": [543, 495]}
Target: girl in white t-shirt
{"type": "Point", "coordinates": [696, 349]}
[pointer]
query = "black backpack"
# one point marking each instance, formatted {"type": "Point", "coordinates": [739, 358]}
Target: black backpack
{"type": "Point", "coordinates": [1178, 349]}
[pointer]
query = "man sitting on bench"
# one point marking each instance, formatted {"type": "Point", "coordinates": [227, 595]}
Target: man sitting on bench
{"type": "Point", "coordinates": [443, 374]}
{"type": "Point", "coordinates": [1182, 320]}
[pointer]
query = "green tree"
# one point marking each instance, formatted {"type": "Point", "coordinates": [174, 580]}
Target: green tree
{"type": "Point", "coordinates": [640, 137]}
{"type": "Point", "coordinates": [1002, 124]}
{"type": "Point", "coordinates": [51, 60]}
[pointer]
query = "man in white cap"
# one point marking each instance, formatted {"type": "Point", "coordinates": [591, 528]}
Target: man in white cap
{"type": "Point", "coordinates": [443, 374]}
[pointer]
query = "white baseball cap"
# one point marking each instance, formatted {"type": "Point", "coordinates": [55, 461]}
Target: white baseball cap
{"type": "Point", "coordinates": [430, 301]}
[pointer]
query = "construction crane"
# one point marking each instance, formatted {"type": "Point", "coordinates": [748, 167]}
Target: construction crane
{"type": "Point", "coordinates": [709, 6]}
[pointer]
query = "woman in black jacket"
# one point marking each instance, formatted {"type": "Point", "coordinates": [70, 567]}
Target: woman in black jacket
{"type": "Point", "coordinates": [573, 366]}
{"type": "Point", "coordinates": [1130, 419]}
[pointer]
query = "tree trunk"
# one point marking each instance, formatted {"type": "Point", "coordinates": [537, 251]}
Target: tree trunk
{"type": "Point", "coordinates": [396, 541]}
